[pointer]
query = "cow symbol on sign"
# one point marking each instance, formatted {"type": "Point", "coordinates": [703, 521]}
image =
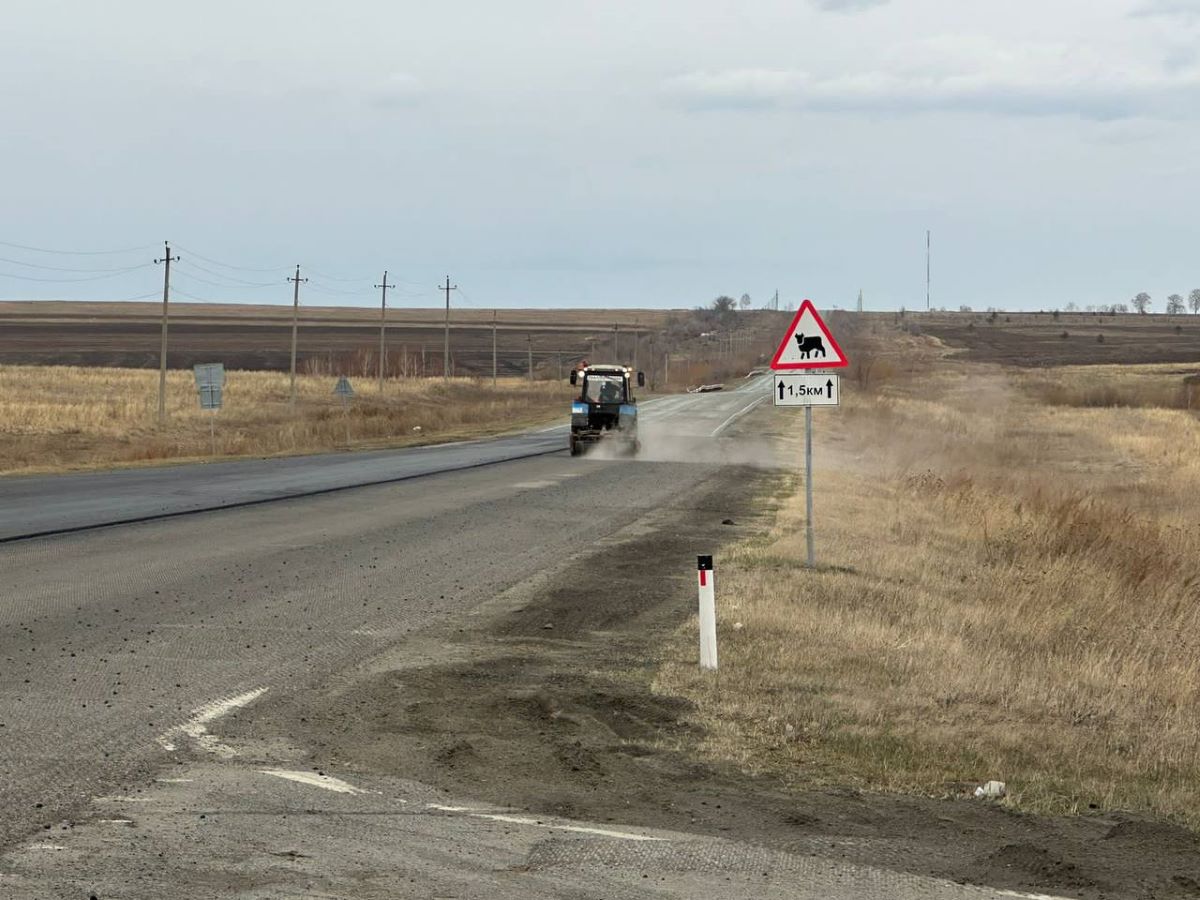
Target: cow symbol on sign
{"type": "Point", "coordinates": [809, 345]}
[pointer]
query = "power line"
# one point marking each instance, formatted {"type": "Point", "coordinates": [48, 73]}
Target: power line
{"type": "Point", "coordinates": [77, 252]}
{"type": "Point", "coordinates": [225, 265]}
{"type": "Point", "coordinates": [228, 287]}
{"type": "Point", "coordinates": [337, 278]}
{"type": "Point", "coordinates": [29, 265]}
{"type": "Point", "coordinates": [325, 289]}
{"type": "Point", "coordinates": [175, 289]}
{"type": "Point", "coordinates": [237, 281]}
{"type": "Point", "coordinates": [111, 274]}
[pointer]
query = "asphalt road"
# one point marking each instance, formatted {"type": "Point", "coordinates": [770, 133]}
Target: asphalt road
{"type": "Point", "coordinates": [124, 648]}
{"type": "Point", "coordinates": [32, 506]}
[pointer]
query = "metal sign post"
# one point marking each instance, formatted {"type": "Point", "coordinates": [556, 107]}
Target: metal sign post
{"type": "Point", "coordinates": [808, 344]}
{"type": "Point", "coordinates": [210, 383]}
{"type": "Point", "coordinates": [809, 538]}
{"type": "Point", "coordinates": [345, 391]}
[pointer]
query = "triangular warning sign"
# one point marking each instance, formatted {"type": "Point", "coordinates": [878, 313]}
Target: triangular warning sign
{"type": "Point", "coordinates": [808, 344]}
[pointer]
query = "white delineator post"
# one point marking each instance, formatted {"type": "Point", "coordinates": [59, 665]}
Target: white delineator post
{"type": "Point", "coordinates": [708, 613]}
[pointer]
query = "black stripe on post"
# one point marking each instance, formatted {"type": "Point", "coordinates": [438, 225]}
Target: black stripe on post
{"type": "Point", "coordinates": [704, 563]}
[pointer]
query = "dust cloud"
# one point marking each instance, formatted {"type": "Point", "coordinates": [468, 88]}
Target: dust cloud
{"type": "Point", "coordinates": [666, 442]}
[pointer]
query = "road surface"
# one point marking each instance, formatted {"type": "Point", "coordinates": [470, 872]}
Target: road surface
{"type": "Point", "coordinates": [129, 649]}
{"type": "Point", "coordinates": [35, 506]}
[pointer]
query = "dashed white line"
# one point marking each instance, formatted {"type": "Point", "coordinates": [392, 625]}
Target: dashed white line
{"type": "Point", "coordinates": [196, 727]}
{"type": "Point", "coordinates": [539, 823]}
{"type": "Point", "coordinates": [312, 779]}
{"type": "Point", "coordinates": [737, 415]}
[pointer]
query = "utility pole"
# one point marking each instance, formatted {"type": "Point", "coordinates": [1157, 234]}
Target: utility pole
{"type": "Point", "coordinates": [494, 314]}
{"type": "Point", "coordinates": [295, 321]}
{"type": "Point", "coordinates": [383, 328]}
{"type": "Point", "coordinates": [446, 344]}
{"type": "Point", "coordinates": [928, 267]}
{"type": "Point", "coordinates": [616, 343]}
{"type": "Point", "coordinates": [637, 339]}
{"type": "Point", "coordinates": [529, 338]}
{"type": "Point", "coordinates": [162, 351]}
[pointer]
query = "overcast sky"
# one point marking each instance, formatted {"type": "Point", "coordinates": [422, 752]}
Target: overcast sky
{"type": "Point", "coordinates": [614, 153]}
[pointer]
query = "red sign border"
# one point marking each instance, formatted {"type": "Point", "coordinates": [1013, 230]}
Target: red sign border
{"type": "Point", "coordinates": [807, 306]}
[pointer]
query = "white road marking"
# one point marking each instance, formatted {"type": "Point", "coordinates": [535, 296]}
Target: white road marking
{"type": "Point", "coordinates": [45, 847]}
{"type": "Point", "coordinates": [115, 821]}
{"type": "Point", "coordinates": [196, 727]}
{"type": "Point", "coordinates": [737, 415]}
{"type": "Point", "coordinates": [175, 780]}
{"type": "Point", "coordinates": [536, 823]}
{"type": "Point", "coordinates": [1003, 893]}
{"type": "Point", "coordinates": [603, 832]}
{"type": "Point", "coordinates": [534, 485]}
{"type": "Point", "coordinates": [124, 800]}
{"type": "Point", "coordinates": [312, 779]}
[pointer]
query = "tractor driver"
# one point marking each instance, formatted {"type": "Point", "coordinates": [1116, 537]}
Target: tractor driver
{"type": "Point", "coordinates": [609, 392]}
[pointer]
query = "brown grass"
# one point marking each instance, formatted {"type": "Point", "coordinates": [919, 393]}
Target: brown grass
{"type": "Point", "coordinates": [57, 417]}
{"type": "Point", "coordinates": [1108, 386]}
{"type": "Point", "coordinates": [1007, 589]}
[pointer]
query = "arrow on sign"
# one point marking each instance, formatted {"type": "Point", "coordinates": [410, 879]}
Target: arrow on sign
{"type": "Point", "coordinates": [830, 386]}
{"type": "Point", "coordinates": [781, 390]}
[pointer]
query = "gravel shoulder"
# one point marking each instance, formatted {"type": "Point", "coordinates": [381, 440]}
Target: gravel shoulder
{"type": "Point", "coordinates": [541, 701]}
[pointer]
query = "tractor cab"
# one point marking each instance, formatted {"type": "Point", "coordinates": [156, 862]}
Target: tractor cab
{"type": "Point", "coordinates": [606, 408]}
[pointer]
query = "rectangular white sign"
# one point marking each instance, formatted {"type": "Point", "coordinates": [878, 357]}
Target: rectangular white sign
{"type": "Point", "coordinates": [807, 390]}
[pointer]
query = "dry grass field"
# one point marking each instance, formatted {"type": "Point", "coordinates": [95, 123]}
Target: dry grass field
{"type": "Point", "coordinates": [1008, 588]}
{"type": "Point", "coordinates": [60, 417]}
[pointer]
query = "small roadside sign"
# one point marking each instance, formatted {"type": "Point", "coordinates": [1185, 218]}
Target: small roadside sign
{"type": "Point", "coordinates": [210, 383]}
{"type": "Point", "coordinates": [808, 344]}
{"type": "Point", "coordinates": [808, 390]}
{"type": "Point", "coordinates": [343, 388]}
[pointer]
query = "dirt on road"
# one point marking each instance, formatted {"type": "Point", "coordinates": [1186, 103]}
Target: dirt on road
{"type": "Point", "coordinates": [541, 701]}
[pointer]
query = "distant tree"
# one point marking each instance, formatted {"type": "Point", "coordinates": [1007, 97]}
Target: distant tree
{"type": "Point", "coordinates": [1118, 308]}
{"type": "Point", "coordinates": [1175, 305]}
{"type": "Point", "coordinates": [745, 302]}
{"type": "Point", "coordinates": [1055, 315]}
{"type": "Point", "coordinates": [724, 304]}
{"type": "Point", "coordinates": [1072, 307]}
{"type": "Point", "coordinates": [1141, 303]}
{"type": "Point", "coordinates": [1194, 300]}
{"type": "Point", "coordinates": [964, 308]}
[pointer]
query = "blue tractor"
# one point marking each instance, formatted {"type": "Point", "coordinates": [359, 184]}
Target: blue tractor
{"type": "Point", "coordinates": [605, 409]}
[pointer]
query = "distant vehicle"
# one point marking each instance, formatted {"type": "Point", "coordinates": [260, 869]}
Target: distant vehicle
{"type": "Point", "coordinates": [605, 408]}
